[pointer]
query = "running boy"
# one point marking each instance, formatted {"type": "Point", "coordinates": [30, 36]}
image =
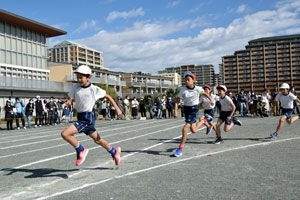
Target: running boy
{"type": "Point", "coordinates": [190, 96]}
{"type": "Point", "coordinates": [286, 100]}
{"type": "Point", "coordinates": [207, 100]}
{"type": "Point", "coordinates": [85, 94]}
{"type": "Point", "coordinates": [226, 114]}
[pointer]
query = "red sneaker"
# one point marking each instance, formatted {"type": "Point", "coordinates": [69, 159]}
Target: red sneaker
{"type": "Point", "coordinates": [81, 156]}
{"type": "Point", "coordinates": [117, 157]}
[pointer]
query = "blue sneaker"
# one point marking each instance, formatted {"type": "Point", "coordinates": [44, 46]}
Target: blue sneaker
{"type": "Point", "coordinates": [178, 152]}
{"type": "Point", "coordinates": [274, 135]}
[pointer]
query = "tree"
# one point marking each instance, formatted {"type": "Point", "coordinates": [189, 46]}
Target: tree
{"type": "Point", "coordinates": [109, 90]}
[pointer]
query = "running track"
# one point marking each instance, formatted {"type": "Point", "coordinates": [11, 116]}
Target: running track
{"type": "Point", "coordinates": [37, 164]}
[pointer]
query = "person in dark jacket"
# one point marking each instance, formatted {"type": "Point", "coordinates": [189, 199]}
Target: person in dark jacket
{"type": "Point", "coordinates": [29, 112]}
{"type": "Point", "coordinates": [170, 107]}
{"type": "Point", "coordinates": [142, 107]}
{"type": "Point", "coordinates": [39, 110]}
{"type": "Point", "coordinates": [9, 115]}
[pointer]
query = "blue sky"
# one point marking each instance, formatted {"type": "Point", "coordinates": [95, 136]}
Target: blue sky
{"type": "Point", "coordinates": [149, 35]}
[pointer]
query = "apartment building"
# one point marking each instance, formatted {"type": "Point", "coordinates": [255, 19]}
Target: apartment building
{"type": "Point", "coordinates": [264, 63]}
{"type": "Point", "coordinates": [76, 54]}
{"type": "Point", "coordinates": [140, 84]}
{"type": "Point", "coordinates": [176, 77]}
{"type": "Point", "coordinates": [205, 74]}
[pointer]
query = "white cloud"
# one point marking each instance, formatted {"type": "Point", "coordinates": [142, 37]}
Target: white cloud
{"type": "Point", "coordinates": [92, 24]}
{"type": "Point", "coordinates": [241, 8]}
{"type": "Point", "coordinates": [132, 13]}
{"type": "Point", "coordinates": [152, 46]}
{"type": "Point", "coordinates": [173, 3]}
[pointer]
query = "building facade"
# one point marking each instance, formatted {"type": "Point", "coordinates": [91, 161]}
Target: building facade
{"type": "Point", "coordinates": [264, 63]}
{"type": "Point", "coordinates": [23, 59]}
{"type": "Point", "coordinates": [140, 84]}
{"type": "Point", "coordinates": [205, 74]}
{"type": "Point", "coordinates": [76, 54]}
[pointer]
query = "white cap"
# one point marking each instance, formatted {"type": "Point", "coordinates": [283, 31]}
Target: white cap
{"type": "Point", "coordinates": [284, 86]}
{"type": "Point", "coordinates": [83, 69]}
{"type": "Point", "coordinates": [38, 97]}
{"type": "Point", "coordinates": [223, 87]}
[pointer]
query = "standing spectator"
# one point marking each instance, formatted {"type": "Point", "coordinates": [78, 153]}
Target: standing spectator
{"type": "Point", "coordinates": [66, 114]}
{"type": "Point", "coordinates": [120, 104]}
{"type": "Point", "coordinates": [266, 98]}
{"type": "Point", "coordinates": [39, 111]}
{"type": "Point", "coordinates": [150, 106]}
{"type": "Point", "coordinates": [134, 107]}
{"type": "Point", "coordinates": [45, 121]}
{"type": "Point", "coordinates": [163, 107]}
{"type": "Point", "coordinates": [286, 99]}
{"type": "Point", "coordinates": [50, 106]}
{"type": "Point", "coordinates": [170, 107]}
{"type": "Point", "coordinates": [226, 114]}
{"type": "Point", "coordinates": [9, 115]}
{"type": "Point", "coordinates": [275, 104]}
{"type": "Point", "coordinates": [104, 108]}
{"type": "Point", "coordinates": [142, 107]}
{"type": "Point", "coordinates": [127, 107]}
{"type": "Point", "coordinates": [59, 105]}
{"type": "Point", "coordinates": [19, 106]}
{"type": "Point", "coordinates": [112, 112]}
{"type": "Point", "coordinates": [242, 99]}
{"type": "Point", "coordinates": [158, 105]}
{"type": "Point", "coordinates": [96, 108]}
{"type": "Point", "coordinates": [29, 112]}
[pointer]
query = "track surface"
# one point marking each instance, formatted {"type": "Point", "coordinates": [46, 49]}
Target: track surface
{"type": "Point", "coordinates": [37, 164]}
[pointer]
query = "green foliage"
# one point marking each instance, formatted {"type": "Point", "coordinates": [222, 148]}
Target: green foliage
{"type": "Point", "coordinates": [171, 92]}
{"type": "Point", "coordinates": [109, 90]}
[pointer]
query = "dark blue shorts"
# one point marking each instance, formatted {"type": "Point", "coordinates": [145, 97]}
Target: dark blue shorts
{"type": "Point", "coordinates": [191, 114]}
{"type": "Point", "coordinates": [224, 115]}
{"type": "Point", "coordinates": [85, 123]}
{"type": "Point", "coordinates": [287, 112]}
{"type": "Point", "coordinates": [210, 112]}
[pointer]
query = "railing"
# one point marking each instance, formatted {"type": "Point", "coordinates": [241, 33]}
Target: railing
{"type": "Point", "coordinates": [33, 84]}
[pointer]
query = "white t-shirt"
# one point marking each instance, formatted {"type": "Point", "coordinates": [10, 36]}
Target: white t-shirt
{"type": "Point", "coordinates": [85, 97]}
{"type": "Point", "coordinates": [206, 102]}
{"type": "Point", "coordinates": [286, 101]}
{"type": "Point", "coordinates": [190, 97]}
{"type": "Point", "coordinates": [226, 103]}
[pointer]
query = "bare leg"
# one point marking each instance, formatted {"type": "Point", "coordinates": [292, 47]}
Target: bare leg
{"type": "Point", "coordinates": [68, 134]}
{"type": "Point", "coordinates": [100, 141]}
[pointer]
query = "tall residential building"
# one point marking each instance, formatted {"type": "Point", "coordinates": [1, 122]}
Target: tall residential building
{"type": "Point", "coordinates": [264, 63]}
{"type": "Point", "coordinates": [76, 54]}
{"type": "Point", "coordinates": [205, 74]}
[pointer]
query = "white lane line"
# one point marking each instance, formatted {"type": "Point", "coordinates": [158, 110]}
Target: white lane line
{"type": "Point", "coordinates": [96, 147]}
{"type": "Point", "coordinates": [164, 165]}
{"type": "Point", "coordinates": [38, 131]}
{"type": "Point", "coordinates": [78, 135]}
